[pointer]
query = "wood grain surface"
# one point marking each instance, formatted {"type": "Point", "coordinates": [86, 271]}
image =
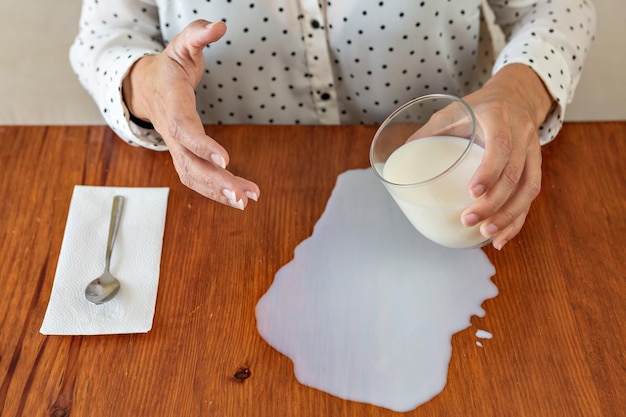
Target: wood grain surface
{"type": "Point", "coordinates": [559, 322]}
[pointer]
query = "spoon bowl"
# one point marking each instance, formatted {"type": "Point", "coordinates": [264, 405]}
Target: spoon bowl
{"type": "Point", "coordinates": [106, 286]}
{"type": "Point", "coordinates": [102, 289]}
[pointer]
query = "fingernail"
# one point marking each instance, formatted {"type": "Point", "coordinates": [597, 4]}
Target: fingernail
{"type": "Point", "coordinates": [489, 230]}
{"type": "Point", "coordinates": [499, 245]}
{"type": "Point", "coordinates": [230, 196]}
{"type": "Point", "coordinates": [477, 191]}
{"type": "Point", "coordinates": [252, 195]}
{"type": "Point", "coordinates": [211, 24]}
{"type": "Point", "coordinates": [218, 160]}
{"type": "Point", "coordinates": [470, 220]}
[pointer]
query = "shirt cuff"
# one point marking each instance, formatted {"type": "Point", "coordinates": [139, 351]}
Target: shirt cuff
{"type": "Point", "coordinates": [553, 70]}
{"type": "Point", "coordinates": [114, 69]}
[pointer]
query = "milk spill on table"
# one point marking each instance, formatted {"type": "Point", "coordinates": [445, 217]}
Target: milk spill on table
{"type": "Point", "coordinates": [435, 208]}
{"type": "Point", "coordinates": [483, 334]}
{"type": "Point", "coordinates": [367, 308]}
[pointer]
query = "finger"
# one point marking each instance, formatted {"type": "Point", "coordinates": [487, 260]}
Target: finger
{"type": "Point", "coordinates": [189, 44]}
{"type": "Point", "coordinates": [212, 181]}
{"type": "Point", "coordinates": [200, 33]}
{"type": "Point", "coordinates": [510, 232]}
{"type": "Point", "coordinates": [509, 219]}
{"type": "Point", "coordinates": [495, 180]}
{"type": "Point", "coordinates": [185, 128]}
{"type": "Point", "coordinates": [498, 166]}
{"type": "Point", "coordinates": [519, 202]}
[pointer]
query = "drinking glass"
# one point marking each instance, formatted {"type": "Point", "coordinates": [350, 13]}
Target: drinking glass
{"type": "Point", "coordinates": [425, 153]}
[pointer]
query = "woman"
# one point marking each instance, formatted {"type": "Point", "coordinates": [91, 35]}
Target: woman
{"type": "Point", "coordinates": [160, 69]}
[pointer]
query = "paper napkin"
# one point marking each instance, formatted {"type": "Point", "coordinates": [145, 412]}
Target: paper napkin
{"type": "Point", "coordinates": [135, 261]}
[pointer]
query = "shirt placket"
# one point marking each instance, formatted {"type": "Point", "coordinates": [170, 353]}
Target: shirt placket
{"type": "Point", "coordinates": [320, 72]}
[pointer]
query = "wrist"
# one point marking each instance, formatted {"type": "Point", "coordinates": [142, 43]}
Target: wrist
{"type": "Point", "coordinates": [132, 87]}
{"type": "Point", "coordinates": [529, 88]}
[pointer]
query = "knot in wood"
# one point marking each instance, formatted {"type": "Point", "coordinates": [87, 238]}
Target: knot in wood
{"type": "Point", "coordinates": [59, 412]}
{"type": "Point", "coordinates": [242, 373]}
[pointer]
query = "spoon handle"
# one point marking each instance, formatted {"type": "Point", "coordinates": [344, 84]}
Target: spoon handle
{"type": "Point", "coordinates": [116, 214]}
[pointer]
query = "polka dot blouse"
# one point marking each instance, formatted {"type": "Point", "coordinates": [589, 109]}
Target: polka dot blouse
{"type": "Point", "coordinates": [341, 61]}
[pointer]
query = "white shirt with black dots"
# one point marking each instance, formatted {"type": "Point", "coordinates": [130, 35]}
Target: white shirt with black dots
{"type": "Point", "coordinates": [342, 61]}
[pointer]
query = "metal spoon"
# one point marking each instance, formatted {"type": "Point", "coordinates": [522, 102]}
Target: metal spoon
{"type": "Point", "coordinates": [105, 287]}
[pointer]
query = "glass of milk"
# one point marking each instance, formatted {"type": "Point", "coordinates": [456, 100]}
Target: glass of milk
{"type": "Point", "coordinates": [425, 153]}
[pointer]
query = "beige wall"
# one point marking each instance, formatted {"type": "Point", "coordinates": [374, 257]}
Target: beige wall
{"type": "Point", "coordinates": [37, 85]}
{"type": "Point", "coordinates": [601, 93]}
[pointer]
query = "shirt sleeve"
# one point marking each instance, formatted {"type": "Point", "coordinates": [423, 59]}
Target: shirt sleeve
{"type": "Point", "coordinates": [112, 36]}
{"type": "Point", "coordinates": [552, 37]}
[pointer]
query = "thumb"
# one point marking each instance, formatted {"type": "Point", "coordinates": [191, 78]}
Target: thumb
{"type": "Point", "coordinates": [200, 33]}
{"type": "Point", "coordinates": [188, 44]}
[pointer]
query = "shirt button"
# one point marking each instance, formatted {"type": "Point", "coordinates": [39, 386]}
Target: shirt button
{"type": "Point", "coordinates": [315, 24]}
{"type": "Point", "coordinates": [325, 96]}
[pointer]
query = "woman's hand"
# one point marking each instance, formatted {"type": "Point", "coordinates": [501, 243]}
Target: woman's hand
{"type": "Point", "coordinates": [509, 108]}
{"type": "Point", "coordinates": [160, 89]}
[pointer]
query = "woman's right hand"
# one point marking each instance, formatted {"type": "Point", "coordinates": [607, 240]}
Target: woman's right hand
{"type": "Point", "coordinates": [160, 89]}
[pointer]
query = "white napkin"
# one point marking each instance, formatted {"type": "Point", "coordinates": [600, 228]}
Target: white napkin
{"type": "Point", "coordinates": [135, 261]}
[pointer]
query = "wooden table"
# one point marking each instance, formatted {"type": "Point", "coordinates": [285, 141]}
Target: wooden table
{"type": "Point", "coordinates": [559, 320]}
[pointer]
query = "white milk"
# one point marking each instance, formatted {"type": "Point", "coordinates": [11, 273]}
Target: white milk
{"type": "Point", "coordinates": [367, 308]}
{"type": "Point", "coordinates": [483, 334]}
{"type": "Point", "coordinates": [435, 208]}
